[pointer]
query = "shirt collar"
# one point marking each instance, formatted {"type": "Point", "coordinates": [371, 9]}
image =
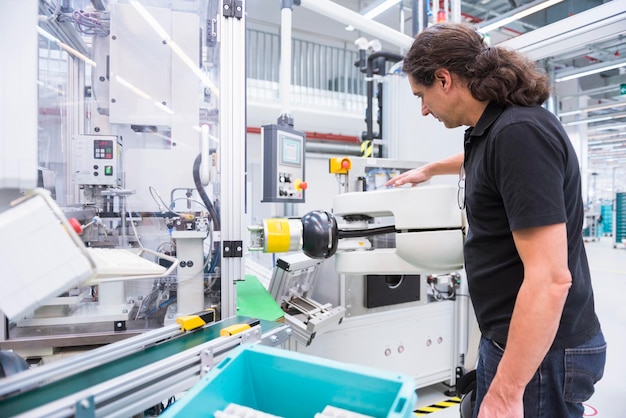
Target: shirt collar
{"type": "Point", "coordinates": [489, 116]}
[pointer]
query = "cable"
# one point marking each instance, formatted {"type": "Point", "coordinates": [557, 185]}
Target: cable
{"type": "Point", "coordinates": [189, 200]}
{"type": "Point", "coordinates": [163, 207]}
{"type": "Point", "coordinates": [56, 12]}
{"type": "Point", "coordinates": [214, 262]}
{"type": "Point", "coordinates": [132, 224]}
{"type": "Point", "coordinates": [205, 198]}
{"type": "Point", "coordinates": [161, 306]}
{"type": "Point", "coordinates": [357, 233]}
{"type": "Point", "coordinates": [92, 23]}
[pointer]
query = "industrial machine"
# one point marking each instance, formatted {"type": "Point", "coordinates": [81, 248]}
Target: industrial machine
{"type": "Point", "coordinates": [122, 149]}
{"type": "Point", "coordinates": [141, 144]}
{"type": "Point", "coordinates": [389, 298]}
{"type": "Point", "coordinates": [133, 102]}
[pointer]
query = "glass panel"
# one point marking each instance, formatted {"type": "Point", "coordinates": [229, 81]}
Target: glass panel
{"type": "Point", "coordinates": [124, 89]}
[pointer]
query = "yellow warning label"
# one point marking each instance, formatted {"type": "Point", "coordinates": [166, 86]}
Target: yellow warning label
{"type": "Point", "coordinates": [367, 148]}
{"type": "Point", "coordinates": [425, 410]}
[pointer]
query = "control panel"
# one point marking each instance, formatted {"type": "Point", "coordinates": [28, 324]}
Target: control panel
{"type": "Point", "coordinates": [97, 160]}
{"type": "Point", "coordinates": [283, 164]}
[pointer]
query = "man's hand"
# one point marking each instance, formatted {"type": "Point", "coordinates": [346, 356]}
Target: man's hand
{"type": "Point", "coordinates": [448, 165]}
{"type": "Point", "coordinates": [496, 404]}
{"type": "Point", "coordinates": [413, 177]}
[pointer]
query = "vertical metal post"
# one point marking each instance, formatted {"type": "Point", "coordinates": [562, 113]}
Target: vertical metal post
{"type": "Point", "coordinates": [232, 148]}
{"type": "Point", "coordinates": [455, 11]}
{"type": "Point", "coordinates": [75, 122]}
{"type": "Point", "coordinates": [285, 63]}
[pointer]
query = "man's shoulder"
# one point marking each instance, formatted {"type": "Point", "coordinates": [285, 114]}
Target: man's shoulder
{"type": "Point", "coordinates": [532, 115]}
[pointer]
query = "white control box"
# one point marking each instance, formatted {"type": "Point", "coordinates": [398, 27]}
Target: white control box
{"type": "Point", "coordinates": [97, 160]}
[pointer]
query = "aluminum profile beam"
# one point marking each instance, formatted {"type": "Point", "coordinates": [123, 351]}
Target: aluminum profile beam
{"type": "Point", "coordinates": [132, 391]}
{"type": "Point", "coordinates": [591, 26]}
{"type": "Point", "coordinates": [349, 17]}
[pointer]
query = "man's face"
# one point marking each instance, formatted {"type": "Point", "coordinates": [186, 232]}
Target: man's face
{"type": "Point", "coordinates": [436, 101]}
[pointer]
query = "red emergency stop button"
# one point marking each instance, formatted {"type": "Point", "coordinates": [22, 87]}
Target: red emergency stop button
{"type": "Point", "coordinates": [300, 185]}
{"type": "Point", "coordinates": [339, 165]}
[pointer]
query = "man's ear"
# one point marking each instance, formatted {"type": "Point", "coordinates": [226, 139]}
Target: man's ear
{"type": "Point", "coordinates": [442, 76]}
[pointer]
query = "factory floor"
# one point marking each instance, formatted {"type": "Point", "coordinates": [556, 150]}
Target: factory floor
{"type": "Point", "coordinates": [608, 270]}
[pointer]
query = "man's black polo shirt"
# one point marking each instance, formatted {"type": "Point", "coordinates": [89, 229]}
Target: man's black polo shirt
{"type": "Point", "coordinates": [521, 172]}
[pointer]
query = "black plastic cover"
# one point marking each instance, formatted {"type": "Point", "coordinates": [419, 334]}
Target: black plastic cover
{"type": "Point", "coordinates": [319, 234]}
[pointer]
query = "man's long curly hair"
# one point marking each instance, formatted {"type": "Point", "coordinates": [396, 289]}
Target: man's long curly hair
{"type": "Point", "coordinates": [491, 73]}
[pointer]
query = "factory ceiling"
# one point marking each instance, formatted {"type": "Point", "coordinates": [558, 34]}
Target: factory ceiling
{"type": "Point", "coordinates": [595, 104]}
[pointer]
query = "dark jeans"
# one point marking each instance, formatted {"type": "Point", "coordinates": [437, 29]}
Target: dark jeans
{"type": "Point", "coordinates": [564, 380]}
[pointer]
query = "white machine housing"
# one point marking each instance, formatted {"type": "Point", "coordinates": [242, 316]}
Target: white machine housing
{"type": "Point", "coordinates": [429, 224]}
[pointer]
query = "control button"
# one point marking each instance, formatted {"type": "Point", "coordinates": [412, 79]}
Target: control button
{"type": "Point", "coordinates": [300, 185]}
{"type": "Point", "coordinates": [340, 165]}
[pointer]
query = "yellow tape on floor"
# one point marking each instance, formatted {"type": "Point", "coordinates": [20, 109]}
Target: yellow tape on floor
{"type": "Point", "coordinates": [425, 410]}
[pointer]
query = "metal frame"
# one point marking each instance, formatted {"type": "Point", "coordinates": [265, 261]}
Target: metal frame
{"type": "Point", "coordinates": [137, 390]}
{"type": "Point", "coordinates": [232, 39]}
{"type": "Point", "coordinates": [342, 14]}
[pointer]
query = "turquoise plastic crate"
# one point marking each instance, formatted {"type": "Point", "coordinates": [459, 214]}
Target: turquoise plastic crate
{"type": "Point", "coordinates": [291, 384]}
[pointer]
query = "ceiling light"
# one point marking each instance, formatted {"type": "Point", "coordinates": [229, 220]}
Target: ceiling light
{"type": "Point", "coordinates": [603, 138]}
{"type": "Point", "coordinates": [589, 70]}
{"type": "Point", "coordinates": [378, 8]}
{"type": "Point", "coordinates": [504, 19]}
{"type": "Point", "coordinates": [598, 119]}
{"type": "Point", "coordinates": [606, 127]}
{"type": "Point", "coordinates": [593, 109]}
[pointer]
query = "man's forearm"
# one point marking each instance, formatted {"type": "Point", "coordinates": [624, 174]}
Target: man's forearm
{"type": "Point", "coordinates": [448, 165]}
{"type": "Point", "coordinates": [534, 324]}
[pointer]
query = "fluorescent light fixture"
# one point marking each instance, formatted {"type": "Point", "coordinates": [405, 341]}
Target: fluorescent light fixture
{"type": "Point", "coordinates": [607, 127]}
{"type": "Point", "coordinates": [378, 8]}
{"type": "Point", "coordinates": [598, 119]}
{"type": "Point", "coordinates": [512, 16]}
{"type": "Point", "coordinates": [602, 139]}
{"type": "Point", "coordinates": [593, 109]}
{"type": "Point", "coordinates": [589, 70]}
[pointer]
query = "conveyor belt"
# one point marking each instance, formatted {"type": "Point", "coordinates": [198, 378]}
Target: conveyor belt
{"type": "Point", "coordinates": [101, 373]}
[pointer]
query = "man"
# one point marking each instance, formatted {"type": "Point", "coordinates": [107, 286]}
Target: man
{"type": "Point", "coordinates": [542, 349]}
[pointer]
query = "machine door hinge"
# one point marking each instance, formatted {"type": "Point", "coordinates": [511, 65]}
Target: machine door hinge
{"type": "Point", "coordinates": [232, 249]}
{"type": "Point", "coordinates": [233, 8]}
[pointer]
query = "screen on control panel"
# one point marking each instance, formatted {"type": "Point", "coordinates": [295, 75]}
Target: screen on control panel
{"type": "Point", "coordinates": [291, 149]}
